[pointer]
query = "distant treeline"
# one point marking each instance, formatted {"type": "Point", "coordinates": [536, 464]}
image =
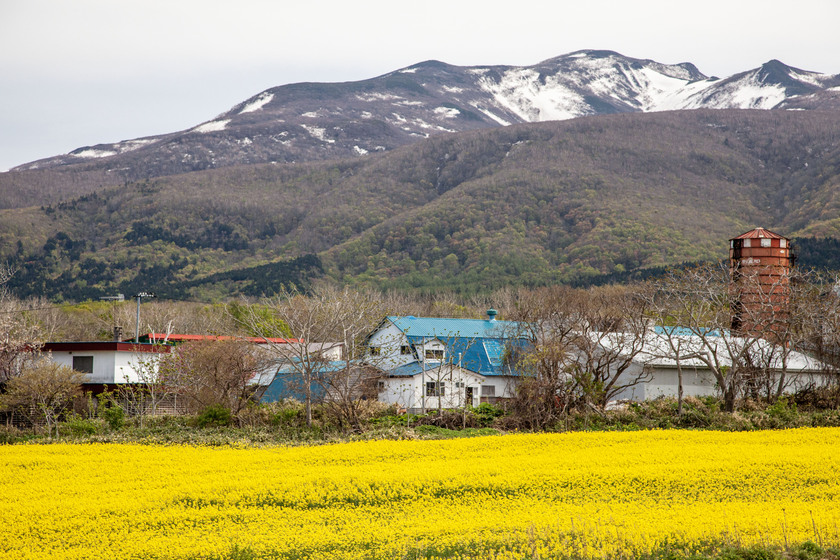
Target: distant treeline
{"type": "Point", "coordinates": [811, 253]}
{"type": "Point", "coordinates": [821, 254]}
{"type": "Point", "coordinates": [91, 280]}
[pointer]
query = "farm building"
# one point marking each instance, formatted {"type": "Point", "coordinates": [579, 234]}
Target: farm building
{"type": "Point", "coordinates": [431, 363]}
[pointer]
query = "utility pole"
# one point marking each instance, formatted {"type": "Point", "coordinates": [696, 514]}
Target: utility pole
{"type": "Point", "coordinates": [139, 296]}
{"type": "Point", "coordinates": [423, 381]}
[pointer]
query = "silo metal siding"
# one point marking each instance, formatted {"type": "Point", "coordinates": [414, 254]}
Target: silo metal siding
{"type": "Point", "coordinates": [765, 259]}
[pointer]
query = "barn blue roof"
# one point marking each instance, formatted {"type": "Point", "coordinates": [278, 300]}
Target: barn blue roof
{"type": "Point", "coordinates": [479, 344]}
{"type": "Point", "coordinates": [435, 327]}
{"type": "Point", "coordinates": [287, 384]}
{"type": "Point", "coordinates": [685, 331]}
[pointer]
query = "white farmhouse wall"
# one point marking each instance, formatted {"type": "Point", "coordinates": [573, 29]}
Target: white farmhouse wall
{"type": "Point", "coordinates": [389, 339]}
{"type": "Point", "coordinates": [111, 366]}
{"type": "Point", "coordinates": [407, 392]}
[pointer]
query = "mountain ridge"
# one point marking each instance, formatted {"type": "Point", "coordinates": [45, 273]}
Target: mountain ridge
{"type": "Point", "coordinates": [313, 121]}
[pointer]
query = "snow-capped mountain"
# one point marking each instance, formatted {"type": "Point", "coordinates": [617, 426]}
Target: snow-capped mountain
{"type": "Point", "coordinates": [312, 121]}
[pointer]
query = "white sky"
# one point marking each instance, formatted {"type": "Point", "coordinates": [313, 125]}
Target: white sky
{"type": "Point", "coordinates": [81, 72]}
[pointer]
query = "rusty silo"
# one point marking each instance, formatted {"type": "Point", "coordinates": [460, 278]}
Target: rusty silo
{"type": "Point", "coordinates": [760, 262]}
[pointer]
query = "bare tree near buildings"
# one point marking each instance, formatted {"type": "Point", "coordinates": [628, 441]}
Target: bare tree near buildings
{"type": "Point", "coordinates": [42, 392]}
{"type": "Point", "coordinates": [584, 345]}
{"type": "Point", "coordinates": [310, 363]}
{"type": "Point", "coordinates": [671, 342]}
{"type": "Point", "coordinates": [790, 310]}
{"type": "Point", "coordinates": [212, 372]}
{"type": "Point", "coordinates": [818, 320]}
{"type": "Point", "coordinates": [610, 326]}
{"type": "Point", "coordinates": [20, 334]}
{"type": "Point", "coordinates": [701, 302]}
{"type": "Point", "coordinates": [546, 390]}
{"type": "Point", "coordinates": [153, 386]}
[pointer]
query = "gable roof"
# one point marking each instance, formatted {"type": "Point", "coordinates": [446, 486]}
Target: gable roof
{"type": "Point", "coordinates": [474, 344]}
{"type": "Point", "coordinates": [444, 328]}
{"type": "Point", "coordinates": [415, 368]}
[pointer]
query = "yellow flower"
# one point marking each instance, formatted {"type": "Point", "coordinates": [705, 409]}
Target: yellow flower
{"type": "Point", "coordinates": [587, 495]}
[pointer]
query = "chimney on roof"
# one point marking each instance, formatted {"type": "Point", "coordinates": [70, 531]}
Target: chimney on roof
{"type": "Point", "coordinates": [118, 332]}
{"type": "Point", "coordinates": [491, 314]}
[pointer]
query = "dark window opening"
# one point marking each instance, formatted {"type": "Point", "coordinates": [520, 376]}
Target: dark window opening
{"type": "Point", "coordinates": [435, 389]}
{"type": "Point", "coordinates": [83, 364]}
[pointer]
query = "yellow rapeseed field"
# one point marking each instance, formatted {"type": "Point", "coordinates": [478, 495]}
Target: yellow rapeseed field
{"type": "Point", "coordinates": [586, 495]}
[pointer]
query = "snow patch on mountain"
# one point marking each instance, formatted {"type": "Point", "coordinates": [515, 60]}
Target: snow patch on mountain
{"type": "Point", "coordinates": [748, 92]}
{"type": "Point", "coordinates": [131, 145]}
{"type": "Point", "coordinates": [318, 133]}
{"type": "Point", "coordinates": [91, 153]}
{"type": "Point", "coordinates": [370, 97]}
{"type": "Point", "coordinates": [447, 112]}
{"type": "Point", "coordinates": [491, 115]}
{"type": "Point", "coordinates": [519, 91]}
{"type": "Point", "coordinates": [212, 126]}
{"type": "Point", "coordinates": [809, 78]}
{"type": "Point", "coordinates": [258, 103]}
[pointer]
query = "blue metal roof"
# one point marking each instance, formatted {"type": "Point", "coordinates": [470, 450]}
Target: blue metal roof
{"type": "Point", "coordinates": [407, 370]}
{"type": "Point", "coordinates": [474, 344]}
{"type": "Point", "coordinates": [433, 327]}
{"type": "Point", "coordinates": [288, 385]}
{"type": "Point", "coordinates": [684, 331]}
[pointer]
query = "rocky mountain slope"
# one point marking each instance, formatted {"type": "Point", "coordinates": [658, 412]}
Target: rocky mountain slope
{"type": "Point", "coordinates": [318, 121]}
{"type": "Point", "coordinates": [537, 203]}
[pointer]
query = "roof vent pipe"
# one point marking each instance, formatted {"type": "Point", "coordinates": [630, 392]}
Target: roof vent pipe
{"type": "Point", "coordinates": [491, 314]}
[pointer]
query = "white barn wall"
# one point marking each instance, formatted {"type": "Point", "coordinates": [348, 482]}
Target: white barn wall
{"type": "Point", "coordinates": [663, 381]}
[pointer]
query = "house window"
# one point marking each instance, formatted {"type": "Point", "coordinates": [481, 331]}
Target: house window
{"type": "Point", "coordinates": [405, 350]}
{"type": "Point", "coordinates": [488, 391]}
{"type": "Point", "coordinates": [434, 354]}
{"type": "Point", "coordinates": [435, 389]}
{"type": "Point", "coordinates": [83, 364]}
{"type": "Point", "coordinates": [380, 385]}
{"type": "Point", "coordinates": [375, 350]}
{"type": "Point", "coordinates": [765, 242]}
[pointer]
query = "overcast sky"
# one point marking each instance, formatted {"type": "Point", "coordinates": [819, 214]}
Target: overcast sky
{"type": "Point", "coordinates": [81, 72]}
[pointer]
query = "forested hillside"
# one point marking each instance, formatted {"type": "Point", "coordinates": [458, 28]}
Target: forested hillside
{"type": "Point", "coordinates": [568, 201]}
